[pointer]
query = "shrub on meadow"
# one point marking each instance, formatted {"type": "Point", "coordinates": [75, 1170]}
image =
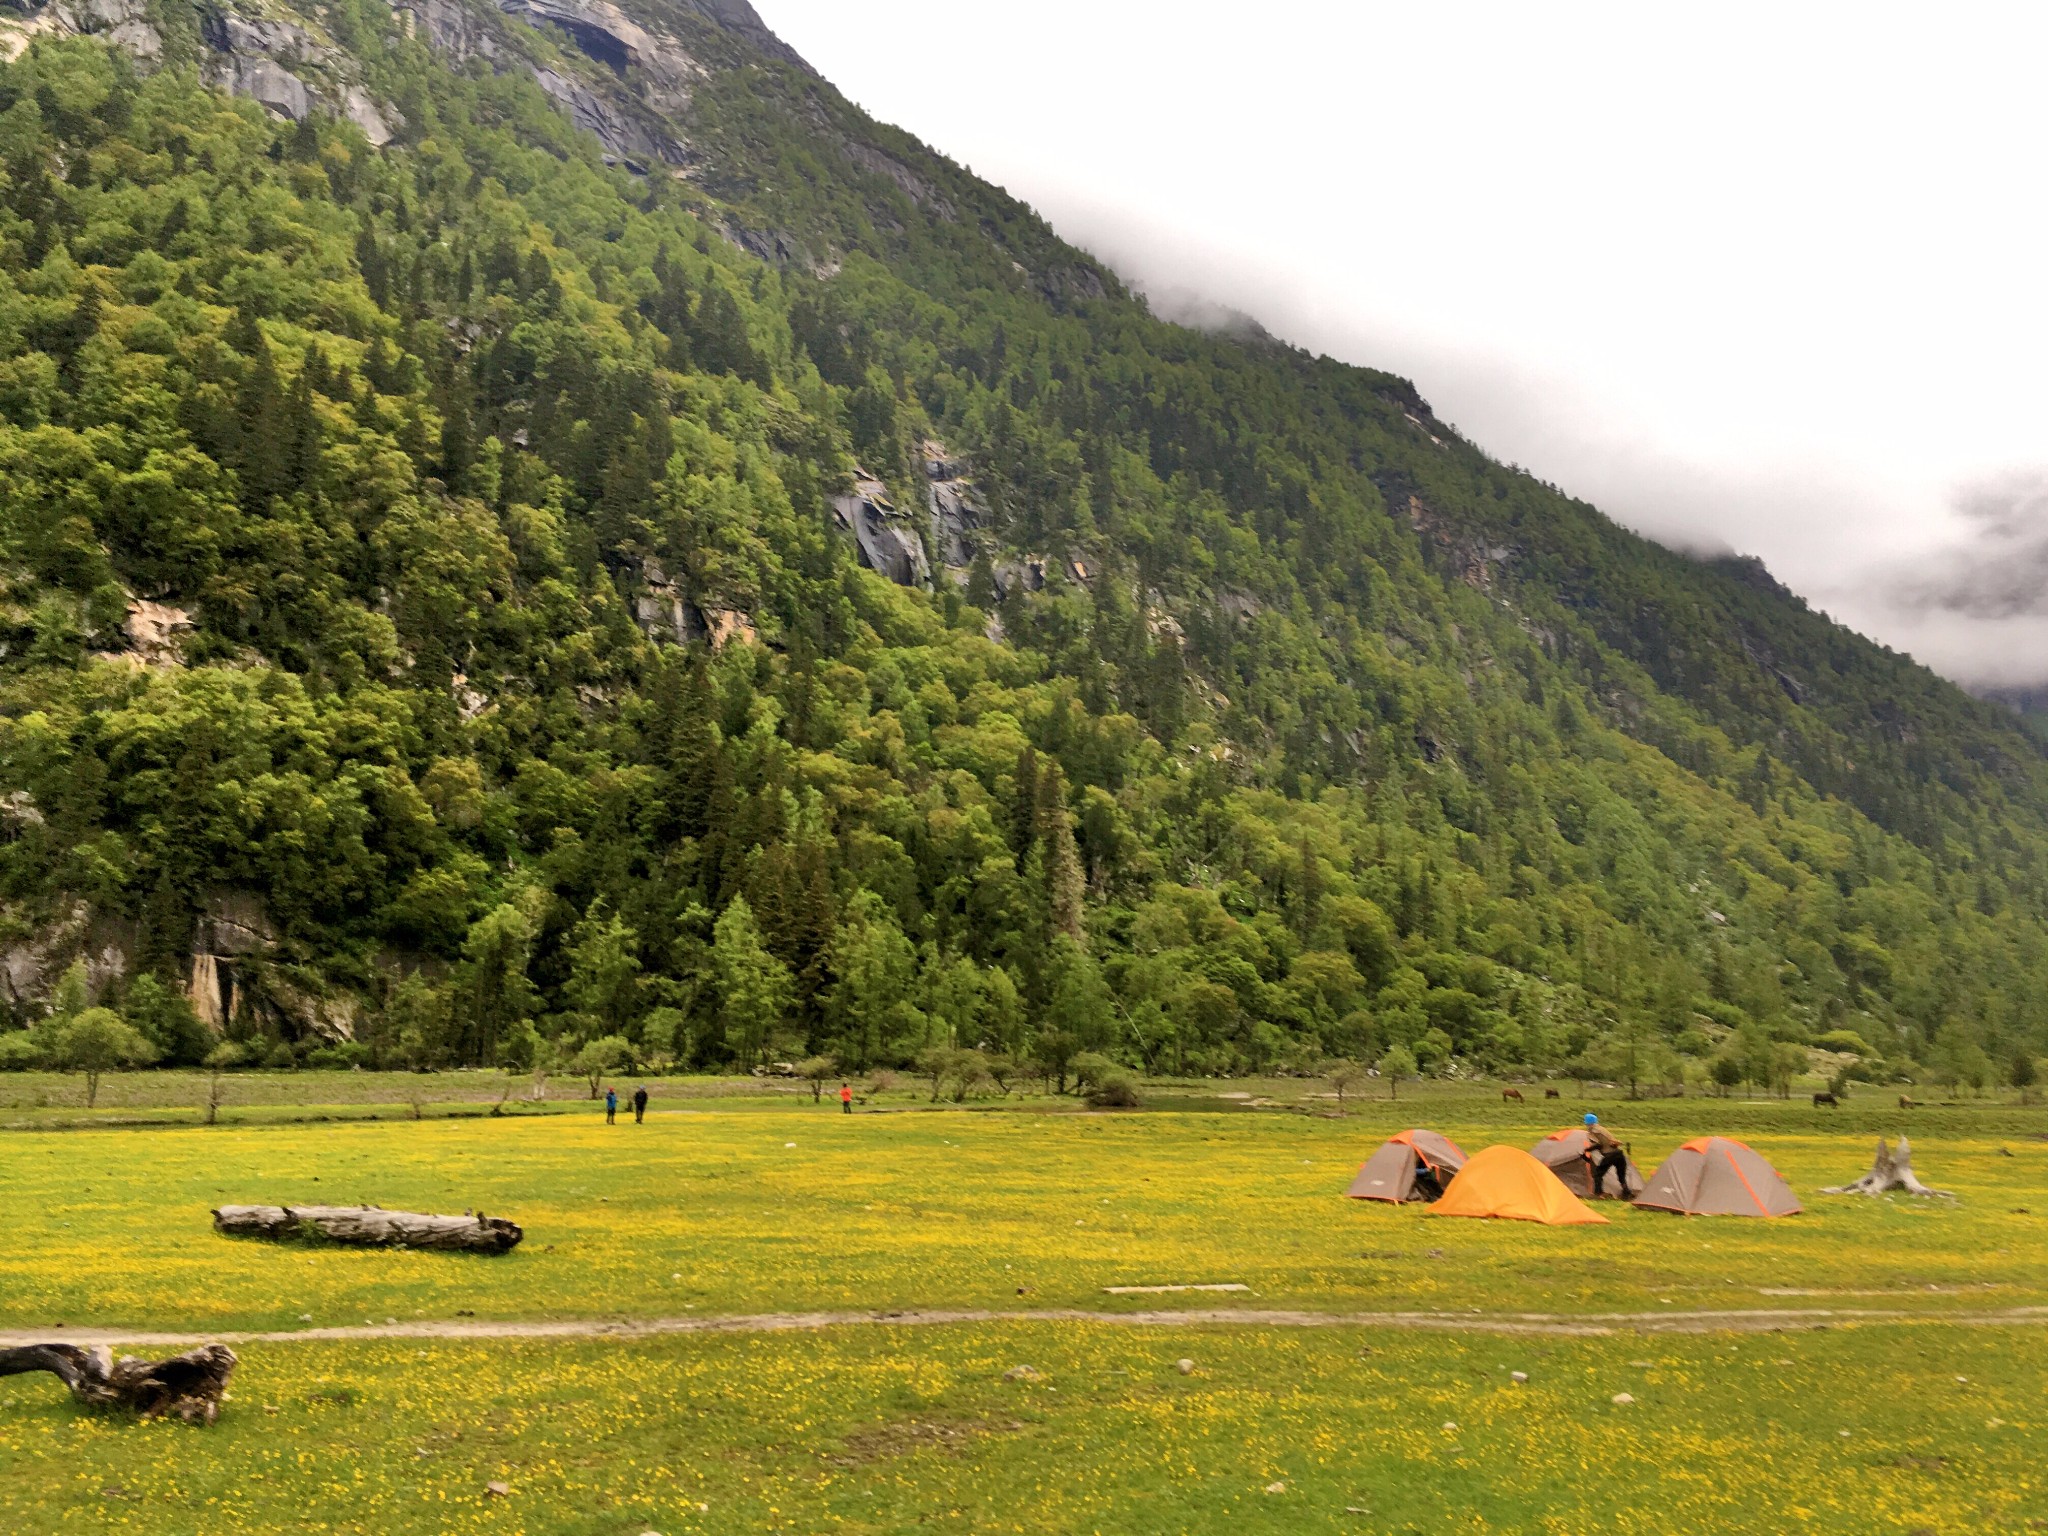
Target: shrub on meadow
{"type": "Point", "coordinates": [1115, 1090]}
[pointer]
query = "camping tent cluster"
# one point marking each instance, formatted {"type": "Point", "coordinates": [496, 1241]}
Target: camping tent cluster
{"type": "Point", "coordinates": [1550, 1183]}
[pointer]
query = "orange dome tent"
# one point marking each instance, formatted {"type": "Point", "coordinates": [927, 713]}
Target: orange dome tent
{"type": "Point", "coordinates": [1394, 1173]}
{"type": "Point", "coordinates": [1509, 1183]}
{"type": "Point", "coordinates": [1718, 1176]}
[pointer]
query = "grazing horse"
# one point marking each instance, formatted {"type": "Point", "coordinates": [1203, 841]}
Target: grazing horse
{"type": "Point", "coordinates": [1550, 1093]}
{"type": "Point", "coordinates": [1906, 1103]}
{"type": "Point", "coordinates": [1826, 1098]}
{"type": "Point", "coordinates": [1511, 1093]}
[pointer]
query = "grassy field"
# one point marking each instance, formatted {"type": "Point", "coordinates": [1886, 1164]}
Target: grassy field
{"type": "Point", "coordinates": [735, 1210]}
{"type": "Point", "coordinates": [875, 1430]}
{"type": "Point", "coordinates": [763, 1203]}
{"type": "Point", "coordinates": [49, 1100]}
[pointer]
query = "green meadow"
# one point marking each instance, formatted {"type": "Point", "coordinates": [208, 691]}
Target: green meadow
{"type": "Point", "coordinates": [1882, 1374]}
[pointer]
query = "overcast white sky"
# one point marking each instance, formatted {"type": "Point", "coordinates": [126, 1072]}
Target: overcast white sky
{"type": "Point", "coordinates": [1766, 277]}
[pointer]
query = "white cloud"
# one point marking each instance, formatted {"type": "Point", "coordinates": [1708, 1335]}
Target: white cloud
{"type": "Point", "coordinates": [1760, 276]}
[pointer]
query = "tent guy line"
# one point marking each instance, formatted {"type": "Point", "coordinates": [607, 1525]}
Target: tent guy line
{"type": "Point", "coordinates": [1592, 1324]}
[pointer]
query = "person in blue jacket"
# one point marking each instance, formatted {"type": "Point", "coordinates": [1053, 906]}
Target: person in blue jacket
{"type": "Point", "coordinates": [611, 1106]}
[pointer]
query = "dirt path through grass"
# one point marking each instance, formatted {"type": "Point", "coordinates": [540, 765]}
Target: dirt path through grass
{"type": "Point", "coordinates": [1590, 1325]}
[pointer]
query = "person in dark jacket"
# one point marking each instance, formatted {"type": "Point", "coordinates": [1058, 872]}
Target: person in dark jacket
{"type": "Point", "coordinates": [1605, 1153]}
{"type": "Point", "coordinates": [640, 1104]}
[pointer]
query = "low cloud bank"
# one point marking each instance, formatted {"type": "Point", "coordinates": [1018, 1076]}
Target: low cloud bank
{"type": "Point", "coordinates": [1957, 580]}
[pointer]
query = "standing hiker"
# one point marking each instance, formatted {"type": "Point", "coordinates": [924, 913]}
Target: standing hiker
{"type": "Point", "coordinates": [640, 1104]}
{"type": "Point", "coordinates": [1604, 1152]}
{"type": "Point", "coordinates": [611, 1106]}
{"type": "Point", "coordinates": [846, 1098]}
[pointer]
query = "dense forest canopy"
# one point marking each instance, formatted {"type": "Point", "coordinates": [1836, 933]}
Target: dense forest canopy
{"type": "Point", "coordinates": [475, 595]}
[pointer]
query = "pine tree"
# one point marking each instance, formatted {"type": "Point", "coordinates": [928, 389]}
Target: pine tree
{"type": "Point", "coordinates": [1054, 829]}
{"type": "Point", "coordinates": [1024, 796]}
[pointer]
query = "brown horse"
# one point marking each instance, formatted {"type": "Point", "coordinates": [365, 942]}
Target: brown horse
{"type": "Point", "coordinates": [1550, 1093]}
{"type": "Point", "coordinates": [1826, 1098]}
{"type": "Point", "coordinates": [1511, 1093]}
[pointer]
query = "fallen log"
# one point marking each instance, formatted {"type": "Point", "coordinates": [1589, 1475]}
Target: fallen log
{"type": "Point", "coordinates": [368, 1226]}
{"type": "Point", "coordinates": [188, 1386]}
{"type": "Point", "coordinates": [1890, 1170]}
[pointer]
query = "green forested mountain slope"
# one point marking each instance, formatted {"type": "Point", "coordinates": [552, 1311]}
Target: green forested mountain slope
{"type": "Point", "coordinates": [446, 613]}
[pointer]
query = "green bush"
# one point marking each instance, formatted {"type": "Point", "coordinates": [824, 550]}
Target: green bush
{"type": "Point", "coordinates": [1115, 1090]}
{"type": "Point", "coordinates": [19, 1051]}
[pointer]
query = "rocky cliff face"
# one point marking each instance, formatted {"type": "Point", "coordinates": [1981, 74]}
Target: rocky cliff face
{"type": "Point", "coordinates": [289, 68]}
{"type": "Point", "coordinates": [635, 87]}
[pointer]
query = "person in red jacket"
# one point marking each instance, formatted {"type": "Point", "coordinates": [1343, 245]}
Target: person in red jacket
{"type": "Point", "coordinates": [846, 1098]}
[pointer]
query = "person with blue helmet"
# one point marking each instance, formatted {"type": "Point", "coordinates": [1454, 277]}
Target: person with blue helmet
{"type": "Point", "coordinates": [1604, 1152]}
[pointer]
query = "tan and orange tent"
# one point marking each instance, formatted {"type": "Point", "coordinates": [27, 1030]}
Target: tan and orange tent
{"type": "Point", "coordinates": [1508, 1182]}
{"type": "Point", "coordinates": [1564, 1154]}
{"type": "Point", "coordinates": [1715, 1176]}
{"type": "Point", "coordinates": [1411, 1165]}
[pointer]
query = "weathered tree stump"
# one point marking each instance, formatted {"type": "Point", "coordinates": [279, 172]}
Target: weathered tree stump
{"type": "Point", "coordinates": [188, 1386]}
{"type": "Point", "coordinates": [368, 1226]}
{"type": "Point", "coordinates": [1888, 1171]}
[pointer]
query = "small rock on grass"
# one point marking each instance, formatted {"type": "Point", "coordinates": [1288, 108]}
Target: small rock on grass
{"type": "Point", "coordinates": [1185, 1367]}
{"type": "Point", "coordinates": [1023, 1373]}
{"type": "Point", "coordinates": [1622, 1399]}
{"type": "Point", "coordinates": [498, 1490]}
{"type": "Point", "coordinates": [1276, 1487]}
{"type": "Point", "coordinates": [1519, 1378]}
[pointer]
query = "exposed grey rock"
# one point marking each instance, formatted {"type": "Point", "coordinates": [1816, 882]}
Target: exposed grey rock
{"type": "Point", "coordinates": [19, 807]}
{"type": "Point", "coordinates": [914, 186]}
{"type": "Point", "coordinates": [30, 966]}
{"type": "Point", "coordinates": [225, 32]}
{"type": "Point", "coordinates": [1071, 283]}
{"type": "Point", "coordinates": [450, 29]}
{"type": "Point", "coordinates": [126, 24]}
{"type": "Point", "coordinates": [887, 541]}
{"type": "Point", "coordinates": [663, 69]}
{"type": "Point", "coordinates": [957, 513]}
{"type": "Point", "coordinates": [955, 518]}
{"type": "Point", "coordinates": [1030, 571]}
{"type": "Point", "coordinates": [603, 31]}
{"type": "Point", "coordinates": [768, 245]}
{"type": "Point", "coordinates": [626, 141]}
{"type": "Point", "coordinates": [266, 82]}
{"type": "Point", "coordinates": [662, 608]}
{"type": "Point", "coordinates": [234, 923]}
{"type": "Point", "coordinates": [361, 109]}
{"type": "Point", "coordinates": [321, 1018]}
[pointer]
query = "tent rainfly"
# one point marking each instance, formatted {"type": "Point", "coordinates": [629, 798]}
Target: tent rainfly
{"type": "Point", "coordinates": [1508, 1182]}
{"type": "Point", "coordinates": [1718, 1176]}
{"type": "Point", "coordinates": [1564, 1153]}
{"type": "Point", "coordinates": [1412, 1165]}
